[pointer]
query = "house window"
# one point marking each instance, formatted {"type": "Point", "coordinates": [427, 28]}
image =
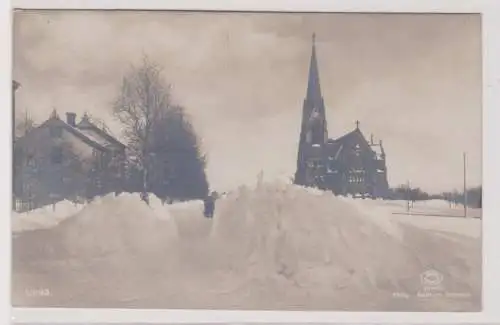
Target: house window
{"type": "Point", "coordinates": [56, 132]}
{"type": "Point", "coordinates": [56, 155]}
{"type": "Point", "coordinates": [30, 160]}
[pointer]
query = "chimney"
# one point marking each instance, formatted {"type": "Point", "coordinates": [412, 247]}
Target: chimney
{"type": "Point", "coordinates": [371, 139]}
{"type": "Point", "coordinates": [71, 118]}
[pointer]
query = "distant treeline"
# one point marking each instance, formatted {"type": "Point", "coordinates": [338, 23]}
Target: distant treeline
{"type": "Point", "coordinates": [403, 192]}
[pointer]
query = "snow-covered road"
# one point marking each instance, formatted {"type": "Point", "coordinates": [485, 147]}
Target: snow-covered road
{"type": "Point", "coordinates": [276, 246]}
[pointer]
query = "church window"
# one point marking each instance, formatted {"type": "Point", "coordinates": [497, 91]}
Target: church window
{"type": "Point", "coordinates": [357, 150]}
{"type": "Point", "coordinates": [309, 137]}
{"type": "Point", "coordinates": [318, 134]}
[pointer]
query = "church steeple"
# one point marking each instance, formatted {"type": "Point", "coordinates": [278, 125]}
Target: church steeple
{"type": "Point", "coordinates": [313, 85]}
{"type": "Point", "coordinates": [313, 129]}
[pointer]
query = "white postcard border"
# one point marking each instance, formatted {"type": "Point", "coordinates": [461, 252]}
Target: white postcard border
{"type": "Point", "coordinates": [491, 132]}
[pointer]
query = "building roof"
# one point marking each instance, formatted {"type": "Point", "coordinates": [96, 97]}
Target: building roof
{"type": "Point", "coordinates": [99, 135]}
{"type": "Point", "coordinates": [92, 135]}
{"type": "Point", "coordinates": [333, 149]}
{"type": "Point", "coordinates": [313, 85]}
{"type": "Point", "coordinates": [335, 146]}
{"type": "Point", "coordinates": [354, 136]}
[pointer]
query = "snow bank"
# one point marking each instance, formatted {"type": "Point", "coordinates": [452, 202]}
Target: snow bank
{"type": "Point", "coordinates": [46, 217]}
{"type": "Point", "coordinates": [186, 205]}
{"type": "Point", "coordinates": [109, 224]}
{"type": "Point", "coordinates": [272, 246]}
{"type": "Point", "coordinates": [282, 230]}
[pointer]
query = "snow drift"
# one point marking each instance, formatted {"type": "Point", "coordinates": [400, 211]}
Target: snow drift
{"type": "Point", "coordinates": [45, 217]}
{"type": "Point", "coordinates": [275, 246]}
{"type": "Point", "coordinates": [310, 239]}
{"type": "Point", "coordinates": [108, 225]}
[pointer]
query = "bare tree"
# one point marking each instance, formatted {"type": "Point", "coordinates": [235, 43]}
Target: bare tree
{"type": "Point", "coordinates": [24, 125]}
{"type": "Point", "coordinates": [163, 145]}
{"type": "Point", "coordinates": [144, 99]}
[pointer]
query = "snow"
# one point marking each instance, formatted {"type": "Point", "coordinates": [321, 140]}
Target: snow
{"type": "Point", "coordinates": [45, 217]}
{"type": "Point", "coordinates": [435, 215]}
{"type": "Point", "coordinates": [107, 225]}
{"type": "Point", "coordinates": [281, 237]}
{"type": "Point", "coordinates": [270, 246]}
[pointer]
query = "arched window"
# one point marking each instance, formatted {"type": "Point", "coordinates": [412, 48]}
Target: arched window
{"type": "Point", "coordinates": [357, 150]}
{"type": "Point", "coordinates": [309, 136]}
{"type": "Point", "coordinates": [317, 136]}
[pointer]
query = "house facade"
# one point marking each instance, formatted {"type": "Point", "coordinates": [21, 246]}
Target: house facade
{"type": "Point", "coordinates": [61, 159]}
{"type": "Point", "coordinates": [348, 165]}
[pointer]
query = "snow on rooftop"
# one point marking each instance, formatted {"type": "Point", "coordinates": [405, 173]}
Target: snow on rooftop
{"type": "Point", "coordinates": [96, 137]}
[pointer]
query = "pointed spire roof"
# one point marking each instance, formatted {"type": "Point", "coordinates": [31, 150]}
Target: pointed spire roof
{"type": "Point", "coordinates": [313, 85]}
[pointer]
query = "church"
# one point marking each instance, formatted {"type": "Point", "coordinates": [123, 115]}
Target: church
{"type": "Point", "coordinates": [349, 165]}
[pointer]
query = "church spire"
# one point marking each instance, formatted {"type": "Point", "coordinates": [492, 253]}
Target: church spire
{"type": "Point", "coordinates": [313, 85]}
{"type": "Point", "coordinates": [313, 129]}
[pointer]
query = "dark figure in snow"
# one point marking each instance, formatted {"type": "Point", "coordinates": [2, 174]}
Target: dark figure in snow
{"type": "Point", "coordinates": [209, 205]}
{"type": "Point", "coordinates": [145, 197]}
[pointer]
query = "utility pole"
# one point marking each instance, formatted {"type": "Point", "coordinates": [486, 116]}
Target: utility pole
{"type": "Point", "coordinates": [15, 87]}
{"type": "Point", "coordinates": [465, 184]}
{"type": "Point", "coordinates": [408, 196]}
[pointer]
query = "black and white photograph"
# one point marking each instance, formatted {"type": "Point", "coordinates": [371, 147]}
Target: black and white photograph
{"type": "Point", "coordinates": [223, 160]}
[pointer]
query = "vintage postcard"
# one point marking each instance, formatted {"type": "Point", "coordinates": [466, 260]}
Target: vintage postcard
{"type": "Point", "coordinates": [247, 161]}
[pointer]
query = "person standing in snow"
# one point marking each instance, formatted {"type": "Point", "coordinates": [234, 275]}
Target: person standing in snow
{"type": "Point", "coordinates": [209, 203]}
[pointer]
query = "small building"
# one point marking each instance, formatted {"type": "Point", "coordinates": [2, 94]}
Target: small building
{"type": "Point", "coordinates": [62, 159]}
{"type": "Point", "coordinates": [347, 165]}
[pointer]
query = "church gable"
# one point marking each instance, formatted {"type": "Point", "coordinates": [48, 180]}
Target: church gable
{"type": "Point", "coordinates": [353, 143]}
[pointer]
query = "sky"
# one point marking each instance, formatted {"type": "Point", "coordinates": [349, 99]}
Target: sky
{"type": "Point", "coordinates": [412, 80]}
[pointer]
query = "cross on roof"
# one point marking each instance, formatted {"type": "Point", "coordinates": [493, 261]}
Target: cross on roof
{"type": "Point", "coordinates": [357, 124]}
